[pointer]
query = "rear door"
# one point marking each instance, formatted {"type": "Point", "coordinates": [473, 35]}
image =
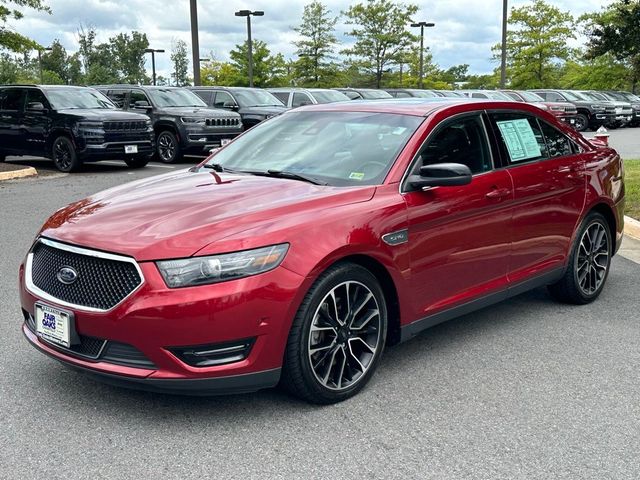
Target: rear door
{"type": "Point", "coordinates": [459, 237]}
{"type": "Point", "coordinates": [11, 111]}
{"type": "Point", "coordinates": [547, 169]}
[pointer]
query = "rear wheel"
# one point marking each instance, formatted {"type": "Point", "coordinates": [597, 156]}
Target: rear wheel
{"type": "Point", "coordinates": [582, 122]}
{"type": "Point", "coordinates": [589, 263]}
{"type": "Point", "coordinates": [64, 156]}
{"type": "Point", "coordinates": [136, 162]}
{"type": "Point", "coordinates": [337, 337]}
{"type": "Point", "coordinates": [167, 147]}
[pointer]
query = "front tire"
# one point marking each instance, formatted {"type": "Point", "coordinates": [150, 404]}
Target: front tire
{"type": "Point", "coordinates": [167, 147]}
{"type": "Point", "coordinates": [337, 337]}
{"type": "Point", "coordinates": [589, 263]}
{"type": "Point", "coordinates": [64, 156]}
{"type": "Point", "coordinates": [136, 162]}
{"type": "Point", "coordinates": [582, 122]}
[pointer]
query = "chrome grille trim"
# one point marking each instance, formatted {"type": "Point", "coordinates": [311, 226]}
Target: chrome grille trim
{"type": "Point", "coordinates": [31, 287]}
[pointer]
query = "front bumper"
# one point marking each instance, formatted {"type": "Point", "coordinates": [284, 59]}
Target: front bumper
{"type": "Point", "coordinates": [202, 140]}
{"type": "Point", "coordinates": [116, 150]}
{"type": "Point", "coordinates": [155, 320]}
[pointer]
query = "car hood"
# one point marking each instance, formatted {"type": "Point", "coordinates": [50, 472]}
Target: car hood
{"type": "Point", "coordinates": [202, 112]}
{"type": "Point", "coordinates": [102, 114]}
{"type": "Point", "coordinates": [270, 110]}
{"type": "Point", "coordinates": [177, 214]}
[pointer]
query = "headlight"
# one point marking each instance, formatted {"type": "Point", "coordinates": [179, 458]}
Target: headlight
{"type": "Point", "coordinates": [557, 109]}
{"type": "Point", "coordinates": [193, 271]}
{"type": "Point", "coordinates": [193, 120]}
{"type": "Point", "coordinates": [598, 108]}
{"type": "Point", "coordinates": [90, 125]}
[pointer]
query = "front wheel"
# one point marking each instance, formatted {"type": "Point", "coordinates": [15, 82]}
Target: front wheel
{"type": "Point", "coordinates": [582, 122]}
{"type": "Point", "coordinates": [64, 155]}
{"type": "Point", "coordinates": [337, 337]}
{"type": "Point", "coordinates": [167, 147]}
{"type": "Point", "coordinates": [589, 263]}
{"type": "Point", "coordinates": [136, 162]}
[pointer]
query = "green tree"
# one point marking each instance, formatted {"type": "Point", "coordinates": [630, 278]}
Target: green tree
{"type": "Point", "coordinates": [316, 47]}
{"type": "Point", "coordinates": [380, 33]}
{"type": "Point", "coordinates": [537, 44]}
{"type": "Point", "coordinates": [600, 73]}
{"type": "Point", "coordinates": [616, 31]}
{"type": "Point", "coordinates": [180, 60]}
{"type": "Point", "coordinates": [8, 69]}
{"type": "Point", "coordinates": [128, 53]}
{"type": "Point", "coordinates": [268, 70]}
{"type": "Point", "coordinates": [12, 10]}
{"type": "Point", "coordinates": [216, 72]}
{"type": "Point", "coordinates": [55, 61]}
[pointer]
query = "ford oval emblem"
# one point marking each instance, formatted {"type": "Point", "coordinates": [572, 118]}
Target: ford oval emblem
{"type": "Point", "coordinates": [67, 275]}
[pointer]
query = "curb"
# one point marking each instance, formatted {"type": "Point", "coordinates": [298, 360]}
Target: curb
{"type": "Point", "coordinates": [632, 227]}
{"type": "Point", "coordinates": [23, 172]}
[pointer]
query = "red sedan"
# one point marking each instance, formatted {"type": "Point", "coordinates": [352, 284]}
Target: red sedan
{"type": "Point", "coordinates": [294, 254]}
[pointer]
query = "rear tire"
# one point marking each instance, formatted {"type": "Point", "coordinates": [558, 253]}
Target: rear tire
{"type": "Point", "coordinates": [582, 122]}
{"type": "Point", "coordinates": [136, 162]}
{"type": "Point", "coordinates": [589, 263]}
{"type": "Point", "coordinates": [64, 156]}
{"type": "Point", "coordinates": [337, 337]}
{"type": "Point", "coordinates": [167, 147]}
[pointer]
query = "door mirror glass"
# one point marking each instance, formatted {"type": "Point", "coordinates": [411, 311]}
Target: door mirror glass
{"type": "Point", "coordinates": [35, 107]}
{"type": "Point", "coordinates": [141, 104]}
{"type": "Point", "coordinates": [230, 106]}
{"type": "Point", "coordinates": [441, 175]}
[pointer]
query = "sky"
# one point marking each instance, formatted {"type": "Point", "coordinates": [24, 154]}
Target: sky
{"type": "Point", "coordinates": [465, 30]}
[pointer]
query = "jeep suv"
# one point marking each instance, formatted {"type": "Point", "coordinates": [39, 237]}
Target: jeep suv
{"type": "Point", "coordinates": [71, 125]}
{"type": "Point", "coordinates": [253, 104]}
{"type": "Point", "coordinates": [182, 122]}
{"type": "Point", "coordinates": [591, 113]}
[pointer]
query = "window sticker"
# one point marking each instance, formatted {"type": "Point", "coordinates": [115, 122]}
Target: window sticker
{"type": "Point", "coordinates": [356, 175]}
{"type": "Point", "coordinates": [520, 139]}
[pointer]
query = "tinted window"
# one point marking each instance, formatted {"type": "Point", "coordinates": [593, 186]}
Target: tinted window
{"type": "Point", "coordinates": [557, 144]}
{"type": "Point", "coordinates": [520, 137]}
{"type": "Point", "coordinates": [402, 95]}
{"type": "Point", "coordinates": [329, 96]}
{"type": "Point", "coordinates": [554, 97]}
{"type": "Point", "coordinates": [205, 95]}
{"type": "Point", "coordinates": [36, 96]}
{"type": "Point", "coordinates": [175, 97]}
{"type": "Point", "coordinates": [138, 96]}
{"type": "Point", "coordinates": [479, 95]}
{"type": "Point", "coordinates": [282, 96]}
{"type": "Point", "coordinates": [11, 99]}
{"type": "Point", "coordinates": [247, 97]}
{"type": "Point", "coordinates": [460, 141]}
{"type": "Point", "coordinates": [222, 98]}
{"type": "Point", "coordinates": [300, 99]}
{"type": "Point", "coordinates": [353, 95]}
{"type": "Point", "coordinates": [119, 97]}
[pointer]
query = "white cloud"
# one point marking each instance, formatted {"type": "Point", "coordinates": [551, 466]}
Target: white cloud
{"type": "Point", "coordinates": [464, 33]}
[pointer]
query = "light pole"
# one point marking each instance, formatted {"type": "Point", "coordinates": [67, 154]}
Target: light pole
{"type": "Point", "coordinates": [422, 26]}
{"type": "Point", "coordinates": [195, 43]}
{"type": "Point", "coordinates": [153, 52]}
{"type": "Point", "coordinates": [503, 57]}
{"type": "Point", "coordinates": [248, 13]}
{"type": "Point", "coordinates": [40, 50]}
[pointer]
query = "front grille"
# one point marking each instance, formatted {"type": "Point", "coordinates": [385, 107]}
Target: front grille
{"type": "Point", "coordinates": [222, 122]}
{"type": "Point", "coordinates": [571, 110]}
{"type": "Point", "coordinates": [120, 126]}
{"type": "Point", "coordinates": [89, 347]}
{"type": "Point", "coordinates": [610, 109]}
{"type": "Point", "coordinates": [101, 283]}
{"type": "Point", "coordinates": [127, 355]}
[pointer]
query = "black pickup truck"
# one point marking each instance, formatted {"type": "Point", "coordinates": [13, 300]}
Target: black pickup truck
{"type": "Point", "coordinates": [71, 125]}
{"type": "Point", "coordinates": [182, 122]}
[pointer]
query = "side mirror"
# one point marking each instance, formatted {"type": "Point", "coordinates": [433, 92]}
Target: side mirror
{"type": "Point", "coordinates": [441, 175]}
{"type": "Point", "coordinates": [142, 104]}
{"type": "Point", "coordinates": [230, 106]}
{"type": "Point", "coordinates": [35, 107]}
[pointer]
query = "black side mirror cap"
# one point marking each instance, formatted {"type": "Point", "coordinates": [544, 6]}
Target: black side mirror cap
{"type": "Point", "coordinates": [35, 107]}
{"type": "Point", "coordinates": [441, 175]}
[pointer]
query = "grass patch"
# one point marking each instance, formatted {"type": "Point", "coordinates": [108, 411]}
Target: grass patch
{"type": "Point", "coordinates": [632, 188]}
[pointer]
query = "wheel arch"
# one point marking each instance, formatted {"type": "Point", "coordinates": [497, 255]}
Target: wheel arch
{"type": "Point", "coordinates": [607, 212]}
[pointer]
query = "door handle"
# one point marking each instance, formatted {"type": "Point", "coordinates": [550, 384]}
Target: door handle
{"type": "Point", "coordinates": [498, 193]}
{"type": "Point", "coordinates": [5, 117]}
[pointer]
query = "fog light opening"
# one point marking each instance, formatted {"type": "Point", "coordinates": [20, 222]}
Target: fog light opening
{"type": "Point", "coordinates": [214, 354]}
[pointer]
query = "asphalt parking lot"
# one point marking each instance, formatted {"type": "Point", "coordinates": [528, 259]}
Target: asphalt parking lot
{"type": "Point", "coordinates": [526, 389]}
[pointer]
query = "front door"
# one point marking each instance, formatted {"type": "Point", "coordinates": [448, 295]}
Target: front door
{"type": "Point", "coordinates": [459, 237]}
{"type": "Point", "coordinates": [36, 122]}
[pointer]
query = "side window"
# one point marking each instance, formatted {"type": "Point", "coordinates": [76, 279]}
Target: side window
{"type": "Point", "coordinates": [402, 95]}
{"type": "Point", "coordinates": [119, 97]}
{"type": "Point", "coordinates": [462, 140]}
{"type": "Point", "coordinates": [557, 144]}
{"type": "Point", "coordinates": [36, 96]}
{"type": "Point", "coordinates": [519, 136]}
{"type": "Point", "coordinates": [222, 98]}
{"type": "Point", "coordinates": [138, 96]}
{"type": "Point", "coordinates": [12, 99]}
{"type": "Point", "coordinates": [282, 96]}
{"type": "Point", "coordinates": [205, 95]}
{"type": "Point", "coordinates": [478, 95]}
{"type": "Point", "coordinates": [554, 97]}
{"type": "Point", "coordinates": [300, 99]}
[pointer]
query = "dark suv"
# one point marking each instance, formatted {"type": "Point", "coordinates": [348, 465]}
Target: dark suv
{"type": "Point", "coordinates": [253, 105]}
{"type": "Point", "coordinates": [71, 125]}
{"type": "Point", "coordinates": [182, 122]}
{"type": "Point", "coordinates": [591, 113]}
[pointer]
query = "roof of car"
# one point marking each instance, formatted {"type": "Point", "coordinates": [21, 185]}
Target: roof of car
{"type": "Point", "coordinates": [126, 85]}
{"type": "Point", "coordinates": [298, 89]}
{"type": "Point", "coordinates": [46, 87]}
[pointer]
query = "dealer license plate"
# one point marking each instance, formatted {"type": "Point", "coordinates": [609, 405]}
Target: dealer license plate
{"type": "Point", "coordinates": [53, 325]}
{"type": "Point", "coordinates": [130, 149]}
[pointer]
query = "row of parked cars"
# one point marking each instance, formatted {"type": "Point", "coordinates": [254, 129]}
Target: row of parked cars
{"type": "Point", "coordinates": [72, 125]}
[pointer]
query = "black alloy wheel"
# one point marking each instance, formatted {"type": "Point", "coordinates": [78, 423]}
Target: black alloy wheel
{"type": "Point", "coordinates": [63, 154]}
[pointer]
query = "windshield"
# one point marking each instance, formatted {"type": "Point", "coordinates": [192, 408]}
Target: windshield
{"type": "Point", "coordinates": [174, 97]}
{"type": "Point", "coordinates": [573, 96]}
{"type": "Point", "coordinates": [531, 97]}
{"type": "Point", "coordinates": [593, 96]}
{"type": "Point", "coordinates": [374, 94]}
{"type": "Point", "coordinates": [328, 96]}
{"type": "Point", "coordinates": [256, 98]}
{"type": "Point", "coordinates": [423, 94]}
{"type": "Point", "coordinates": [75, 98]}
{"type": "Point", "coordinates": [339, 148]}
